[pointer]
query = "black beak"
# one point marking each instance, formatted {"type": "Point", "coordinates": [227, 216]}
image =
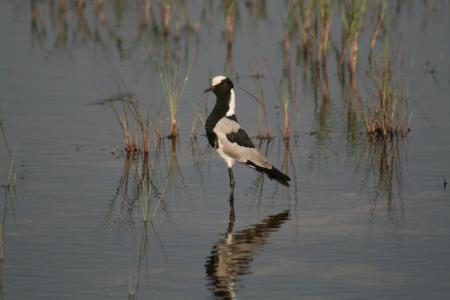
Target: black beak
{"type": "Point", "coordinates": [209, 89]}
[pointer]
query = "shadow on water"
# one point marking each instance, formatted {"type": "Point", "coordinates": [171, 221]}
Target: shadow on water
{"type": "Point", "coordinates": [231, 256]}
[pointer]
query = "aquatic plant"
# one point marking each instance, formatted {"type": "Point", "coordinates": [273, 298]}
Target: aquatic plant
{"type": "Point", "coordinates": [286, 98]}
{"type": "Point", "coordinates": [142, 121]}
{"type": "Point", "coordinates": [173, 87]}
{"type": "Point", "coordinates": [122, 118]}
{"type": "Point", "coordinates": [261, 105]}
{"type": "Point", "coordinates": [387, 115]}
{"type": "Point", "coordinates": [199, 118]}
{"type": "Point", "coordinates": [128, 105]}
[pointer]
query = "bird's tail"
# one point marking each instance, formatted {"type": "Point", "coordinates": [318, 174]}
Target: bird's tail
{"type": "Point", "coordinates": [273, 173]}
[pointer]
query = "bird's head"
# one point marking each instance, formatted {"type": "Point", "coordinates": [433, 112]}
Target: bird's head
{"type": "Point", "coordinates": [220, 84]}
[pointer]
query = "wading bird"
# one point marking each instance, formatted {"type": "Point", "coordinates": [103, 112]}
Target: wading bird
{"type": "Point", "coordinates": [228, 138]}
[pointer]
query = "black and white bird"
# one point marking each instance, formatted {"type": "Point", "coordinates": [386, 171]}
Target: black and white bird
{"type": "Point", "coordinates": [228, 138]}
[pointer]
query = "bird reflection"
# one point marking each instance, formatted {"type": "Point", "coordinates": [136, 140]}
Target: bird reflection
{"type": "Point", "coordinates": [231, 256]}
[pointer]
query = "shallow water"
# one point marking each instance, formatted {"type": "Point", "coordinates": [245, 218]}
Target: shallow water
{"type": "Point", "coordinates": [358, 221]}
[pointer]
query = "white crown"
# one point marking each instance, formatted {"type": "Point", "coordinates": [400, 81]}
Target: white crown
{"type": "Point", "coordinates": [216, 80]}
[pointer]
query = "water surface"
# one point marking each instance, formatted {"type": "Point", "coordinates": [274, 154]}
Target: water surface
{"type": "Point", "coordinates": [359, 221]}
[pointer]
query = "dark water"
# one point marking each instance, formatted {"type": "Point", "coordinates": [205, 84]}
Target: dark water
{"type": "Point", "coordinates": [358, 222]}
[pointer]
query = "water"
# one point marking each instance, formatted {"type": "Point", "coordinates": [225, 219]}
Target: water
{"type": "Point", "coordinates": [353, 224]}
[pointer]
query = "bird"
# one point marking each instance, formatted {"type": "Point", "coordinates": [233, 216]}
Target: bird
{"type": "Point", "coordinates": [228, 138]}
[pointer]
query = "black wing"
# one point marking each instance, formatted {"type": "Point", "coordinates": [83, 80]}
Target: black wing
{"type": "Point", "coordinates": [241, 138]}
{"type": "Point", "coordinates": [212, 138]}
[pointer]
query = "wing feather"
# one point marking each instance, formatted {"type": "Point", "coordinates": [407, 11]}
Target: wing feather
{"type": "Point", "coordinates": [235, 142]}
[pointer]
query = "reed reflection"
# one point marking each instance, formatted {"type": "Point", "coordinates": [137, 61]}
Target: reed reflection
{"type": "Point", "coordinates": [145, 186]}
{"type": "Point", "coordinates": [384, 164]}
{"type": "Point", "coordinates": [8, 183]}
{"type": "Point", "coordinates": [231, 256]}
{"type": "Point", "coordinates": [64, 25]}
{"type": "Point", "coordinates": [140, 265]}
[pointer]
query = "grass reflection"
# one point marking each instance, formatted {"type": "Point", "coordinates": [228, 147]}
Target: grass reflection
{"type": "Point", "coordinates": [144, 186]}
{"type": "Point", "coordinates": [8, 183]}
{"type": "Point", "coordinates": [161, 25]}
{"type": "Point", "coordinates": [141, 256]}
{"type": "Point", "coordinates": [381, 164]}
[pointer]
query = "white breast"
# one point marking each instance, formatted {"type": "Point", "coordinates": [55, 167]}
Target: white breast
{"type": "Point", "coordinates": [228, 159]}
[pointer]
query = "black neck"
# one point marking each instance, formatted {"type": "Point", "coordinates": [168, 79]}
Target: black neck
{"type": "Point", "coordinates": [220, 109]}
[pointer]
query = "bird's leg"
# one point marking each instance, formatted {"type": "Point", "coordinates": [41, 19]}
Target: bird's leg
{"type": "Point", "coordinates": [232, 215]}
{"type": "Point", "coordinates": [230, 174]}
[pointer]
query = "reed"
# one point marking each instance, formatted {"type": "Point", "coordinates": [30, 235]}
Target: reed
{"type": "Point", "coordinates": [173, 88]}
{"type": "Point", "coordinates": [142, 122]}
{"type": "Point", "coordinates": [262, 108]}
{"type": "Point", "coordinates": [129, 106]}
{"type": "Point", "coordinates": [387, 116]}
{"type": "Point", "coordinates": [285, 98]}
{"type": "Point", "coordinates": [122, 119]}
{"type": "Point", "coordinates": [199, 118]}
